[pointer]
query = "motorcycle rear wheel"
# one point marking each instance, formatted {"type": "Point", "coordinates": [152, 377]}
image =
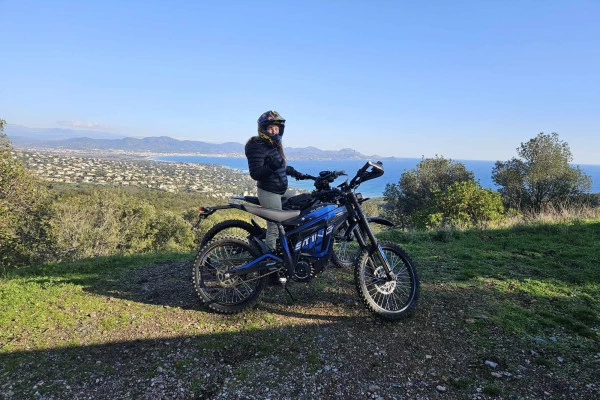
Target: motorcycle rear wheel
{"type": "Point", "coordinates": [218, 291]}
{"type": "Point", "coordinates": [389, 300]}
{"type": "Point", "coordinates": [345, 252]}
{"type": "Point", "coordinates": [231, 227]}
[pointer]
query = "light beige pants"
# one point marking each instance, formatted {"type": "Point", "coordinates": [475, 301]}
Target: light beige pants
{"type": "Point", "coordinates": [273, 201]}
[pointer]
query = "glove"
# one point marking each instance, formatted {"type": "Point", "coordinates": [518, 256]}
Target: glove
{"type": "Point", "coordinates": [291, 171]}
{"type": "Point", "coordinates": [273, 163]}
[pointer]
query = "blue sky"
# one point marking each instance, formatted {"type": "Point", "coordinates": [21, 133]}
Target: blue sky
{"type": "Point", "coordinates": [462, 79]}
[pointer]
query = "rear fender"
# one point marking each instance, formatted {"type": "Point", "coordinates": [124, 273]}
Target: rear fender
{"type": "Point", "coordinates": [380, 221]}
{"type": "Point", "coordinates": [206, 212]}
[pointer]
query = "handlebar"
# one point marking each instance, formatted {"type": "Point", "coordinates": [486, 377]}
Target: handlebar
{"type": "Point", "coordinates": [323, 175]}
{"type": "Point", "coordinates": [327, 194]}
{"type": "Point", "coordinates": [304, 177]}
{"type": "Point", "coordinates": [325, 178]}
{"type": "Point", "coordinates": [368, 171]}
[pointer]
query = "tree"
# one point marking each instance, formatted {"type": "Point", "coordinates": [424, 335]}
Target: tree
{"type": "Point", "coordinates": [415, 188]}
{"type": "Point", "coordinates": [23, 209]}
{"type": "Point", "coordinates": [541, 175]}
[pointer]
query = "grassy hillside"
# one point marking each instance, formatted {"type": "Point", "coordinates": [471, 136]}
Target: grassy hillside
{"type": "Point", "coordinates": [504, 313]}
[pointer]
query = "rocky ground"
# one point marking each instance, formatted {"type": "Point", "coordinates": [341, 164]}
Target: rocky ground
{"type": "Point", "coordinates": [325, 345]}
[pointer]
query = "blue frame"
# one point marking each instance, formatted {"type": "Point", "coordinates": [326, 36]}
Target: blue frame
{"type": "Point", "coordinates": [322, 214]}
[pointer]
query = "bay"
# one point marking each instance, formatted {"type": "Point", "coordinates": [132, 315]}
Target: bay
{"type": "Point", "coordinates": [374, 188]}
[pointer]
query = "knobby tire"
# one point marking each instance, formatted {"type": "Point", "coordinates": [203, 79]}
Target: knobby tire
{"type": "Point", "coordinates": [388, 300]}
{"type": "Point", "coordinates": [227, 295]}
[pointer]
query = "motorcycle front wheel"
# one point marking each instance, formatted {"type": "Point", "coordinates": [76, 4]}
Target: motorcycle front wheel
{"type": "Point", "coordinates": [218, 290]}
{"type": "Point", "coordinates": [388, 299]}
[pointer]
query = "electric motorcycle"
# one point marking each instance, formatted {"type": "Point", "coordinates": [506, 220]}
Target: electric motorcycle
{"type": "Point", "coordinates": [345, 248]}
{"type": "Point", "coordinates": [229, 273]}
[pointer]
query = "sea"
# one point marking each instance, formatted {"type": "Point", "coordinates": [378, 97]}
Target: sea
{"type": "Point", "coordinates": [373, 188]}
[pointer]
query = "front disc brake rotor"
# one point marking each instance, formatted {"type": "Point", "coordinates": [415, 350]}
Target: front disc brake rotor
{"type": "Point", "coordinates": [383, 286]}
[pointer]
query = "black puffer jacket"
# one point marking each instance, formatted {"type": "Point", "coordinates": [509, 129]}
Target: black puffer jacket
{"type": "Point", "coordinates": [260, 153]}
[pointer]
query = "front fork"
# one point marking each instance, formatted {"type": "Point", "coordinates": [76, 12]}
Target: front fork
{"type": "Point", "coordinates": [375, 248]}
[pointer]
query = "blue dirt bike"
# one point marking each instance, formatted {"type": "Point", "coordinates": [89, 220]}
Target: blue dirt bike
{"type": "Point", "coordinates": [345, 248]}
{"type": "Point", "coordinates": [229, 273]}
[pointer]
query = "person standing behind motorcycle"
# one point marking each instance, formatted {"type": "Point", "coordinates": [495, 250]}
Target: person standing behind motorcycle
{"type": "Point", "coordinates": [268, 166]}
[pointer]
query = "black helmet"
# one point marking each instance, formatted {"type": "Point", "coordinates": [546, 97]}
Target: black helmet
{"type": "Point", "coordinates": [270, 118]}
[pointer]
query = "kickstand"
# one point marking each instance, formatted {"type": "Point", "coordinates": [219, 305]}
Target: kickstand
{"type": "Point", "coordinates": [288, 292]}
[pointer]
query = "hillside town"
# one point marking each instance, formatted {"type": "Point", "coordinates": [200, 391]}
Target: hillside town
{"type": "Point", "coordinates": [213, 180]}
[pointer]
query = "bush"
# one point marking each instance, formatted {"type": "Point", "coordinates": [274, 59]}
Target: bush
{"type": "Point", "coordinates": [171, 233]}
{"type": "Point", "coordinates": [109, 221]}
{"type": "Point", "coordinates": [72, 222]}
{"type": "Point", "coordinates": [416, 187]}
{"type": "Point", "coordinates": [463, 205]}
{"type": "Point", "coordinates": [23, 210]}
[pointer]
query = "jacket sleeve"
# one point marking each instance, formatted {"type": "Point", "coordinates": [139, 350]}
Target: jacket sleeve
{"type": "Point", "coordinates": [256, 162]}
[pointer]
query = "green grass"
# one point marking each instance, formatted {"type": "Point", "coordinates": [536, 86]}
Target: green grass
{"type": "Point", "coordinates": [492, 390]}
{"type": "Point", "coordinates": [55, 297]}
{"type": "Point", "coordinates": [541, 277]}
{"type": "Point", "coordinates": [503, 288]}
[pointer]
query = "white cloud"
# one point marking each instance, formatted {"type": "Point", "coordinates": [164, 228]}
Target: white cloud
{"type": "Point", "coordinates": [81, 124]}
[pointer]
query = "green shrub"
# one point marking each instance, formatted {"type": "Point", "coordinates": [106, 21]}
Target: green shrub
{"type": "Point", "coordinates": [23, 210]}
{"type": "Point", "coordinates": [416, 187]}
{"type": "Point", "coordinates": [110, 221]}
{"type": "Point", "coordinates": [89, 225]}
{"type": "Point", "coordinates": [171, 233]}
{"type": "Point", "coordinates": [463, 204]}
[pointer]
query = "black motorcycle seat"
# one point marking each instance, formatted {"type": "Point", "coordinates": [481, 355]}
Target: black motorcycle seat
{"type": "Point", "coordinates": [272, 215]}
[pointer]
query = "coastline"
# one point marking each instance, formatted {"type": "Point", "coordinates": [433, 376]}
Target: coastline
{"type": "Point", "coordinates": [394, 168]}
{"type": "Point", "coordinates": [151, 155]}
{"type": "Point", "coordinates": [482, 168]}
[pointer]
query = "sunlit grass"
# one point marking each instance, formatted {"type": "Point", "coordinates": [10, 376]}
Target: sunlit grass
{"type": "Point", "coordinates": [543, 275]}
{"type": "Point", "coordinates": [536, 278]}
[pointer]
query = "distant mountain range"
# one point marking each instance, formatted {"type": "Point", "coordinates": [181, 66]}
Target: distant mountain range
{"type": "Point", "coordinates": [93, 140]}
{"type": "Point", "coordinates": [19, 134]}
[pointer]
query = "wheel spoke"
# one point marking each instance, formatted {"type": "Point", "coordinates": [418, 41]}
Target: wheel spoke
{"type": "Point", "coordinates": [220, 287]}
{"type": "Point", "coordinates": [388, 297]}
{"type": "Point", "coordinates": [345, 251]}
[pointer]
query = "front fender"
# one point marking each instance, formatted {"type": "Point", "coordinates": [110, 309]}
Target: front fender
{"type": "Point", "coordinates": [380, 221]}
